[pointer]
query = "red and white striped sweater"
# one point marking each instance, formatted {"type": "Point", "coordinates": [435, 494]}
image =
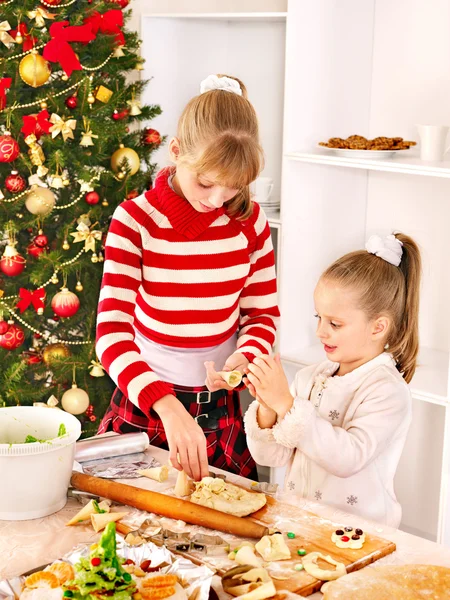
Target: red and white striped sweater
{"type": "Point", "coordinates": [184, 279]}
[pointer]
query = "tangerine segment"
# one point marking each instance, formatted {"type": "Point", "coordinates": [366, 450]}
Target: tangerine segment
{"type": "Point", "coordinates": [63, 571]}
{"type": "Point", "coordinates": [41, 579]}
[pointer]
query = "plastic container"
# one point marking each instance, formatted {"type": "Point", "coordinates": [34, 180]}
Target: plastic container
{"type": "Point", "coordinates": [35, 476]}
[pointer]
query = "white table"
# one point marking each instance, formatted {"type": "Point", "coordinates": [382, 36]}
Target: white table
{"type": "Point", "coordinates": [25, 545]}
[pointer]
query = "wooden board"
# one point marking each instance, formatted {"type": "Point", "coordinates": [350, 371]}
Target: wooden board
{"type": "Point", "coordinates": [313, 533]}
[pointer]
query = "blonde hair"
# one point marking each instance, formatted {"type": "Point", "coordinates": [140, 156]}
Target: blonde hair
{"type": "Point", "coordinates": [387, 290]}
{"type": "Point", "coordinates": [218, 131]}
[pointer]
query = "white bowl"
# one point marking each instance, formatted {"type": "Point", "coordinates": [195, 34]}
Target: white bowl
{"type": "Point", "coordinates": [35, 476]}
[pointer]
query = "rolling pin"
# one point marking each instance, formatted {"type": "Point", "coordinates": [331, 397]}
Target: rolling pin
{"type": "Point", "coordinates": [168, 506]}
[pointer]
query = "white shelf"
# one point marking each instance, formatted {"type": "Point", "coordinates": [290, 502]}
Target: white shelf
{"type": "Point", "coordinates": [273, 217]}
{"type": "Point", "coordinates": [430, 382]}
{"type": "Point", "coordinates": [249, 17]}
{"type": "Point", "coordinates": [409, 164]}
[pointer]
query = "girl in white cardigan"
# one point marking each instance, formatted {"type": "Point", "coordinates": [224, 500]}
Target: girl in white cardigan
{"type": "Point", "coordinates": [342, 425]}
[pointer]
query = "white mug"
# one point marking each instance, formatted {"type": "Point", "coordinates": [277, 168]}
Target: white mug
{"type": "Point", "coordinates": [432, 142]}
{"type": "Point", "coordinates": [261, 189]}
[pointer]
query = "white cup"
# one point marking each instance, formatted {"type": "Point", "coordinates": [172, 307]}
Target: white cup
{"type": "Point", "coordinates": [432, 142]}
{"type": "Point", "coordinates": [261, 189]}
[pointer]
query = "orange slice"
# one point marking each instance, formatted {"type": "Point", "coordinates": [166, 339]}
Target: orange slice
{"type": "Point", "coordinates": [63, 571]}
{"type": "Point", "coordinates": [42, 579]}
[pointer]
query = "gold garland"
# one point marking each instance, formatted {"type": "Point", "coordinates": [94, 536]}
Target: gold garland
{"type": "Point", "coordinates": [30, 104]}
{"type": "Point", "coordinates": [62, 207]}
{"type": "Point", "coordinates": [58, 5]}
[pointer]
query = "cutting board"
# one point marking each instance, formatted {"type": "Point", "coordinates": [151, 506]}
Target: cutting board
{"type": "Point", "coordinates": [313, 533]}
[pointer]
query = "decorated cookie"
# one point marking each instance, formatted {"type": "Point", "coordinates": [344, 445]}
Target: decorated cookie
{"type": "Point", "coordinates": [349, 538]}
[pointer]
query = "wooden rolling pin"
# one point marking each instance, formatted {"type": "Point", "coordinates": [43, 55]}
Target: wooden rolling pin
{"type": "Point", "coordinates": [168, 506]}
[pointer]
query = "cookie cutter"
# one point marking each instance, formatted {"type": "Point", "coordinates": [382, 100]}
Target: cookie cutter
{"type": "Point", "coordinates": [209, 544]}
{"type": "Point", "coordinates": [174, 540]}
{"type": "Point", "coordinates": [217, 475]}
{"type": "Point", "coordinates": [148, 530]}
{"type": "Point", "coordinates": [265, 487]}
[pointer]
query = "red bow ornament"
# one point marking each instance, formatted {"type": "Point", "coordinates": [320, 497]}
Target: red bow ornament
{"type": "Point", "coordinates": [29, 41]}
{"type": "Point", "coordinates": [108, 22]}
{"type": "Point", "coordinates": [58, 48]}
{"type": "Point", "coordinates": [5, 83]}
{"type": "Point", "coordinates": [35, 298]}
{"type": "Point", "coordinates": [36, 124]}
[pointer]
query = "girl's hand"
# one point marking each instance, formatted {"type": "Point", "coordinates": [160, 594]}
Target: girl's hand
{"type": "Point", "coordinates": [265, 416]}
{"type": "Point", "coordinates": [271, 387]}
{"type": "Point", "coordinates": [214, 382]}
{"type": "Point", "coordinates": [186, 440]}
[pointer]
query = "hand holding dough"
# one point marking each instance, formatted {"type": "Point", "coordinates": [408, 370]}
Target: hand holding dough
{"type": "Point", "coordinates": [233, 378]}
{"type": "Point", "coordinates": [184, 486]}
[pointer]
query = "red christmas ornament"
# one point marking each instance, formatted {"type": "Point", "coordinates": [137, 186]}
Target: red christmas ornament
{"type": "Point", "coordinates": [13, 338]}
{"type": "Point", "coordinates": [92, 198]}
{"type": "Point", "coordinates": [32, 358]}
{"type": "Point", "coordinates": [132, 194]}
{"type": "Point", "coordinates": [41, 240]}
{"type": "Point", "coordinates": [34, 250]}
{"type": "Point", "coordinates": [65, 303]}
{"type": "Point", "coordinates": [3, 327]}
{"type": "Point", "coordinates": [118, 116]}
{"type": "Point", "coordinates": [53, 2]}
{"type": "Point", "coordinates": [92, 418]}
{"type": "Point", "coordinates": [71, 102]}
{"type": "Point", "coordinates": [12, 263]}
{"type": "Point", "coordinates": [15, 183]}
{"type": "Point", "coordinates": [121, 3]}
{"type": "Point", "coordinates": [151, 136]}
{"type": "Point", "coordinates": [9, 148]}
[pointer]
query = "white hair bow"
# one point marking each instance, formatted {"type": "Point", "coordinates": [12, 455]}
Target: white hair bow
{"type": "Point", "coordinates": [212, 82]}
{"type": "Point", "coordinates": [388, 248]}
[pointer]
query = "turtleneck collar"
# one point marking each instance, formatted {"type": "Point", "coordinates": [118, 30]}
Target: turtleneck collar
{"type": "Point", "coordinates": [181, 214]}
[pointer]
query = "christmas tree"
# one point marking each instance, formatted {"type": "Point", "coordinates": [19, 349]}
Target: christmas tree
{"type": "Point", "coordinates": [71, 149]}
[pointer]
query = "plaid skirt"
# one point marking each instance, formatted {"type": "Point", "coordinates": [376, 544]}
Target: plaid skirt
{"type": "Point", "coordinates": [226, 444]}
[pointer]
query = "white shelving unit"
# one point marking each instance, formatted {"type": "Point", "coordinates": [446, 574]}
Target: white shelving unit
{"type": "Point", "coordinates": [342, 78]}
{"type": "Point", "coordinates": [324, 69]}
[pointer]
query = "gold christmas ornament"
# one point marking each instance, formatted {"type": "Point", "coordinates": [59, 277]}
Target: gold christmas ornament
{"type": "Point", "coordinates": [19, 38]}
{"type": "Point", "coordinates": [54, 279]}
{"type": "Point", "coordinates": [43, 105]}
{"type": "Point", "coordinates": [125, 154]}
{"type": "Point", "coordinates": [105, 202]}
{"type": "Point", "coordinates": [94, 258]}
{"type": "Point", "coordinates": [34, 70]}
{"type": "Point", "coordinates": [134, 107]}
{"type": "Point", "coordinates": [56, 181]}
{"type": "Point", "coordinates": [40, 201]}
{"type": "Point", "coordinates": [79, 286]}
{"type": "Point", "coordinates": [86, 235]}
{"type": "Point", "coordinates": [54, 352]}
{"type": "Point", "coordinates": [75, 401]}
{"type": "Point", "coordinates": [100, 257]}
{"type": "Point", "coordinates": [91, 99]}
{"type": "Point", "coordinates": [66, 182]}
{"type": "Point", "coordinates": [118, 52]}
{"type": "Point", "coordinates": [36, 153]}
{"type": "Point", "coordinates": [65, 77]}
{"type": "Point", "coordinates": [121, 175]}
{"type": "Point", "coordinates": [87, 135]}
{"type": "Point", "coordinates": [103, 94]}
{"type": "Point", "coordinates": [65, 245]}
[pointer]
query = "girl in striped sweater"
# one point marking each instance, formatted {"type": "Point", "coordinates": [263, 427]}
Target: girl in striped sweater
{"type": "Point", "coordinates": [189, 289]}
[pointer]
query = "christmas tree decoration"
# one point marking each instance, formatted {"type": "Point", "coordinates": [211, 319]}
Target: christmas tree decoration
{"type": "Point", "coordinates": [96, 370]}
{"type": "Point", "coordinates": [34, 250]}
{"type": "Point", "coordinates": [105, 202]}
{"type": "Point", "coordinates": [41, 240]}
{"type": "Point", "coordinates": [75, 400]}
{"type": "Point", "coordinates": [34, 69]}
{"type": "Point", "coordinates": [56, 180]}
{"type": "Point", "coordinates": [65, 303]}
{"type": "Point", "coordinates": [60, 126]}
{"type": "Point", "coordinates": [79, 287]}
{"type": "Point", "coordinates": [39, 14]}
{"type": "Point", "coordinates": [86, 234]}
{"type": "Point", "coordinates": [5, 83]}
{"type": "Point", "coordinates": [12, 263]}
{"type": "Point", "coordinates": [65, 245]}
{"type": "Point", "coordinates": [71, 102]}
{"type": "Point", "coordinates": [36, 154]}
{"type": "Point", "coordinates": [125, 158]}
{"type": "Point", "coordinates": [151, 136]}
{"type": "Point", "coordinates": [87, 135]}
{"type": "Point", "coordinates": [5, 38]}
{"type": "Point", "coordinates": [54, 279]}
{"type": "Point", "coordinates": [121, 3]}
{"type": "Point", "coordinates": [37, 124]}
{"type": "Point", "coordinates": [9, 148]}
{"type": "Point", "coordinates": [94, 257]}
{"type": "Point", "coordinates": [58, 48]}
{"type": "Point", "coordinates": [32, 357]}
{"type": "Point", "coordinates": [92, 198]}
{"type": "Point", "coordinates": [15, 183]}
{"type": "Point", "coordinates": [100, 257]}
{"type": "Point", "coordinates": [40, 201]}
{"type": "Point", "coordinates": [103, 94]}
{"type": "Point", "coordinates": [13, 338]}
{"type": "Point", "coordinates": [118, 52]}
{"type": "Point", "coordinates": [132, 194]}
{"type": "Point", "coordinates": [119, 115]}
{"type": "Point", "coordinates": [4, 326]}
{"type": "Point", "coordinates": [134, 106]}
{"type": "Point", "coordinates": [53, 2]}
{"type": "Point", "coordinates": [91, 99]}
{"type": "Point", "coordinates": [55, 352]}
{"type": "Point", "coordinates": [35, 298]}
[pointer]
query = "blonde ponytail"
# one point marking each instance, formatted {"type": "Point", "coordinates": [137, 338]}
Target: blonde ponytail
{"type": "Point", "coordinates": [385, 289]}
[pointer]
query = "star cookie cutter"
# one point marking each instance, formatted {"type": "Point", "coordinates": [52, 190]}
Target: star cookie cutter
{"type": "Point", "coordinates": [209, 544]}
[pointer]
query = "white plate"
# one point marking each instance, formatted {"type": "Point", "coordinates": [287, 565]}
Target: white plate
{"type": "Point", "coordinates": [371, 154]}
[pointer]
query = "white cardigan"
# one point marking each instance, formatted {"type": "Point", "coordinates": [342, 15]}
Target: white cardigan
{"type": "Point", "coordinates": [343, 437]}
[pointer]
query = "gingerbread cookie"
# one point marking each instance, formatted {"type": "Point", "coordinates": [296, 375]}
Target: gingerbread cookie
{"type": "Point", "coordinates": [349, 538]}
